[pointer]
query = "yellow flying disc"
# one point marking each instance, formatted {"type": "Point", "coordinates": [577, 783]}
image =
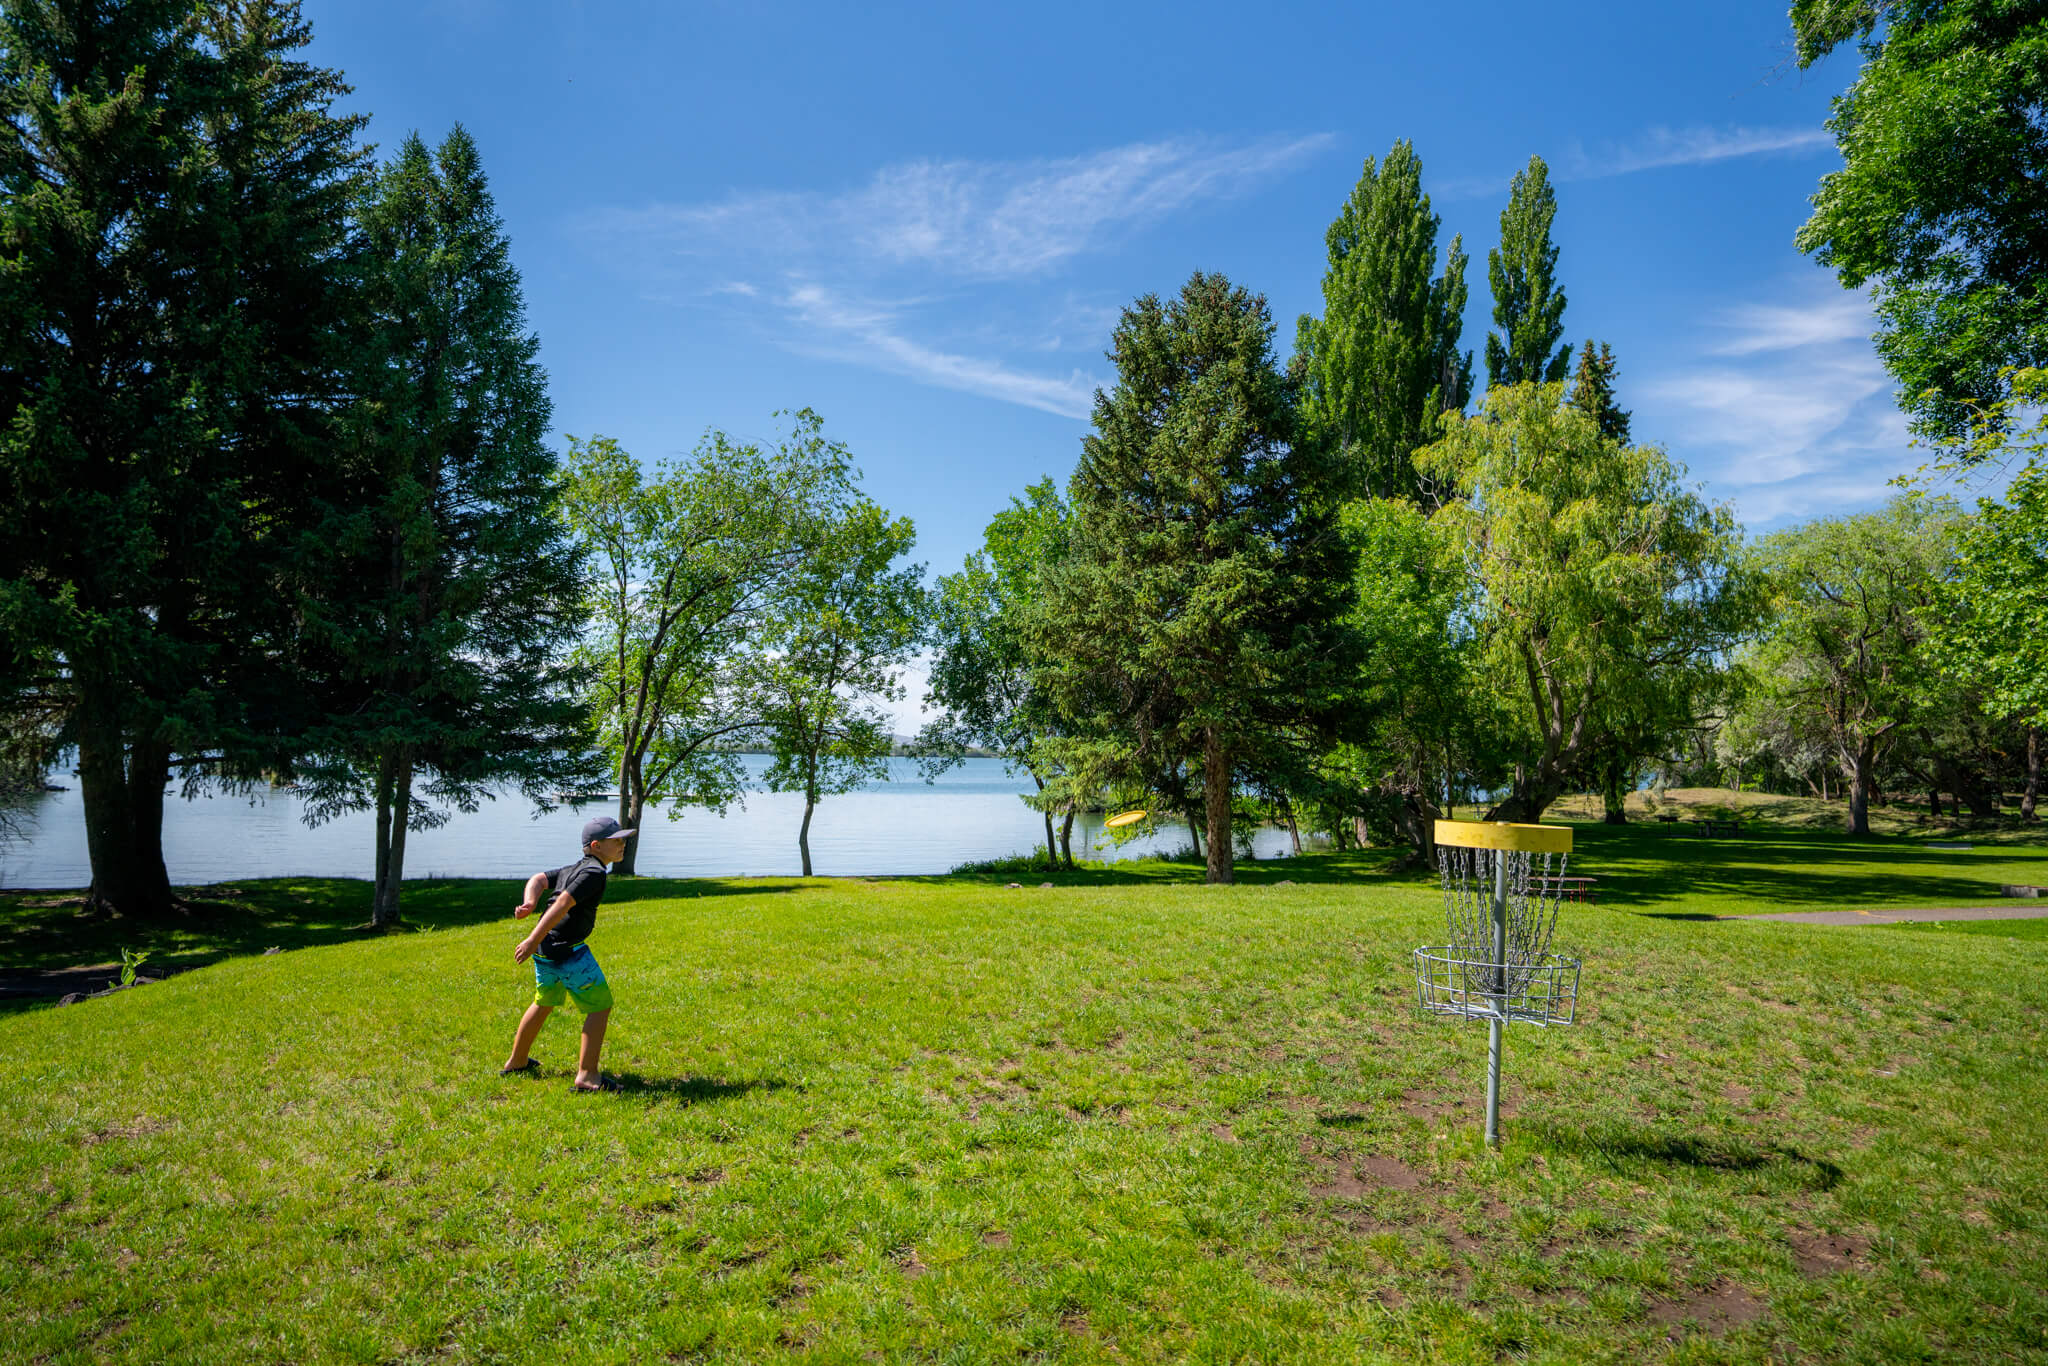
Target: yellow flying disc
{"type": "Point", "coordinates": [1124, 818]}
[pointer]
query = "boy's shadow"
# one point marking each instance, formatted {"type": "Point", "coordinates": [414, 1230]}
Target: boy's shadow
{"type": "Point", "coordinates": [691, 1090]}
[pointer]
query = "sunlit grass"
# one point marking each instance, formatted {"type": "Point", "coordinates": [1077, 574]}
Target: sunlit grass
{"type": "Point", "coordinates": [1125, 1118]}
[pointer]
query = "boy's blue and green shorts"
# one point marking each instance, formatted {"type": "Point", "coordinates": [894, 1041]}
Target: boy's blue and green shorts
{"type": "Point", "coordinates": [576, 978]}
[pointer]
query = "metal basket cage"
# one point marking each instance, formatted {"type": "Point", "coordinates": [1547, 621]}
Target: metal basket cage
{"type": "Point", "coordinates": [1449, 981]}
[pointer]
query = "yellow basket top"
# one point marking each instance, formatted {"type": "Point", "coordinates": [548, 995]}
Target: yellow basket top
{"type": "Point", "coordinates": [1526, 839]}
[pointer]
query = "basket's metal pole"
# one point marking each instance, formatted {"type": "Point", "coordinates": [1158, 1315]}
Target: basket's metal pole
{"type": "Point", "coordinates": [1498, 1025]}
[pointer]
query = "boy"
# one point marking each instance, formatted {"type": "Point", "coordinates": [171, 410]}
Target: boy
{"type": "Point", "coordinates": [563, 965]}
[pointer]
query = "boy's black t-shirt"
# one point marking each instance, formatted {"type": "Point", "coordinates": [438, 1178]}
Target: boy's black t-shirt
{"type": "Point", "coordinates": [583, 880]}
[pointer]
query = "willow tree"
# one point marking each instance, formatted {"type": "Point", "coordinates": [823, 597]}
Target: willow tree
{"type": "Point", "coordinates": [1196, 617]}
{"type": "Point", "coordinates": [1382, 362]}
{"type": "Point", "coordinates": [1604, 591]}
{"type": "Point", "coordinates": [1852, 603]}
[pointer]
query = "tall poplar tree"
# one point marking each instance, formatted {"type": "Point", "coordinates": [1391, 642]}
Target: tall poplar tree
{"type": "Point", "coordinates": [1382, 362]}
{"type": "Point", "coordinates": [453, 580]}
{"type": "Point", "coordinates": [1528, 307]}
{"type": "Point", "coordinates": [173, 310]}
{"type": "Point", "coordinates": [1196, 615]}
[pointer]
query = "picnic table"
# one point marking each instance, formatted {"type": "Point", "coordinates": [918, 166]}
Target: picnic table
{"type": "Point", "coordinates": [1709, 827]}
{"type": "Point", "coordinates": [1579, 889]}
{"type": "Point", "coordinates": [1668, 818]}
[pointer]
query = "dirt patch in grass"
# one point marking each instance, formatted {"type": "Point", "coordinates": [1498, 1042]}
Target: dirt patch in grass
{"type": "Point", "coordinates": [995, 1237]}
{"type": "Point", "coordinates": [134, 1128]}
{"type": "Point", "coordinates": [1825, 1254]}
{"type": "Point", "coordinates": [1392, 1173]}
{"type": "Point", "coordinates": [1222, 1133]}
{"type": "Point", "coordinates": [1713, 1310]}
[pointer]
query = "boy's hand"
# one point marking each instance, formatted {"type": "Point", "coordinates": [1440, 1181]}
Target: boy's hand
{"type": "Point", "coordinates": [525, 950]}
{"type": "Point", "coordinates": [523, 910]}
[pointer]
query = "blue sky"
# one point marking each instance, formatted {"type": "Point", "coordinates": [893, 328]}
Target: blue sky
{"type": "Point", "coordinates": [922, 222]}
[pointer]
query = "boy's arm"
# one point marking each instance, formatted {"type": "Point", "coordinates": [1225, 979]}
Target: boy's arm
{"type": "Point", "coordinates": [554, 917]}
{"type": "Point", "coordinates": [535, 887]}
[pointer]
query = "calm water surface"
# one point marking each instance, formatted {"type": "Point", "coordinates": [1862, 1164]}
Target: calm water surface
{"type": "Point", "coordinates": [900, 826]}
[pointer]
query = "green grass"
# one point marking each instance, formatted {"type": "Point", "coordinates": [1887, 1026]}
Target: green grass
{"type": "Point", "coordinates": [1126, 1118]}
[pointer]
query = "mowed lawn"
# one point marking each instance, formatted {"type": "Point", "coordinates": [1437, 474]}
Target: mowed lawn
{"type": "Point", "coordinates": [1126, 1118]}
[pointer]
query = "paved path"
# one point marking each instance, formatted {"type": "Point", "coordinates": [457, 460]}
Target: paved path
{"type": "Point", "coordinates": [1887, 916]}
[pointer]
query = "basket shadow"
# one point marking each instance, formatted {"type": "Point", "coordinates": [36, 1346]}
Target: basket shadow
{"type": "Point", "coordinates": [1622, 1145]}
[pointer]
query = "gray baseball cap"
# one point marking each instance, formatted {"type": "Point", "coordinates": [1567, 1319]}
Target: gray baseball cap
{"type": "Point", "coordinates": [603, 828]}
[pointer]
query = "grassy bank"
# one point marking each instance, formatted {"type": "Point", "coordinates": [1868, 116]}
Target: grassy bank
{"type": "Point", "coordinates": [1125, 1118]}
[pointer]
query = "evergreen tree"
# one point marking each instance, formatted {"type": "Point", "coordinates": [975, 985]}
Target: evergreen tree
{"type": "Point", "coordinates": [1528, 308]}
{"type": "Point", "coordinates": [173, 303]}
{"type": "Point", "coordinates": [1382, 362]}
{"type": "Point", "coordinates": [1592, 391]}
{"type": "Point", "coordinates": [1194, 618]}
{"type": "Point", "coordinates": [453, 580]}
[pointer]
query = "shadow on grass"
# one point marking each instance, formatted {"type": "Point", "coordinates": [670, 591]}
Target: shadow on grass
{"type": "Point", "coordinates": [1352, 866]}
{"type": "Point", "coordinates": [1771, 868]}
{"type": "Point", "coordinates": [1622, 1146]}
{"type": "Point", "coordinates": [44, 931]}
{"type": "Point", "coordinates": [691, 1090]}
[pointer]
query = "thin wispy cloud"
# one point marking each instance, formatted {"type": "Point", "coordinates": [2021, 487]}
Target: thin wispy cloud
{"type": "Point", "coordinates": [862, 274]}
{"type": "Point", "coordinates": [1652, 149]}
{"type": "Point", "coordinates": [974, 220]}
{"type": "Point", "coordinates": [868, 335]}
{"type": "Point", "coordinates": [1785, 405]}
{"type": "Point", "coordinates": [1660, 147]}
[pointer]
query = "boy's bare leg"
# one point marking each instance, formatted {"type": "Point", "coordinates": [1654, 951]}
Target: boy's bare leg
{"type": "Point", "coordinates": [593, 1044]}
{"type": "Point", "coordinates": [529, 1029]}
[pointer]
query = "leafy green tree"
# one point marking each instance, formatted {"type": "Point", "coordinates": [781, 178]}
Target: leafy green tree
{"type": "Point", "coordinates": [1603, 590]}
{"type": "Point", "coordinates": [1845, 645]}
{"type": "Point", "coordinates": [848, 629]}
{"type": "Point", "coordinates": [1196, 617]}
{"type": "Point", "coordinates": [982, 670]}
{"type": "Point", "coordinates": [454, 582]}
{"type": "Point", "coordinates": [687, 574]}
{"type": "Point", "coordinates": [1382, 362]}
{"type": "Point", "coordinates": [175, 310]}
{"type": "Point", "coordinates": [1528, 307]}
{"type": "Point", "coordinates": [1412, 697]}
{"type": "Point", "coordinates": [1942, 199]}
{"type": "Point", "coordinates": [1989, 629]}
{"type": "Point", "coordinates": [1592, 391]}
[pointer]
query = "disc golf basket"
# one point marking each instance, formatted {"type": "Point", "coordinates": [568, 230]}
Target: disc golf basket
{"type": "Point", "coordinates": [1502, 886]}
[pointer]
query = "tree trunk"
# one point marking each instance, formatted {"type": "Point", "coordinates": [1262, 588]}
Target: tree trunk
{"type": "Point", "coordinates": [397, 803]}
{"type": "Point", "coordinates": [1051, 853]}
{"type": "Point", "coordinates": [1067, 837]}
{"type": "Point", "coordinates": [1293, 830]}
{"type": "Point", "coordinates": [803, 834]}
{"type": "Point", "coordinates": [632, 806]}
{"type": "Point", "coordinates": [2033, 791]}
{"type": "Point", "coordinates": [1216, 798]}
{"type": "Point", "coordinates": [1360, 832]}
{"type": "Point", "coordinates": [1616, 800]}
{"type": "Point", "coordinates": [1856, 770]}
{"type": "Point", "coordinates": [128, 874]}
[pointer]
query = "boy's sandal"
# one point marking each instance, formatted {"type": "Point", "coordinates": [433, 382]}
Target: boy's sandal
{"type": "Point", "coordinates": [531, 1065]}
{"type": "Point", "coordinates": [604, 1082]}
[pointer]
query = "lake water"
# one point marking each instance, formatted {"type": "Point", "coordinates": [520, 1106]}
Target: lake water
{"type": "Point", "coordinates": [901, 826]}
